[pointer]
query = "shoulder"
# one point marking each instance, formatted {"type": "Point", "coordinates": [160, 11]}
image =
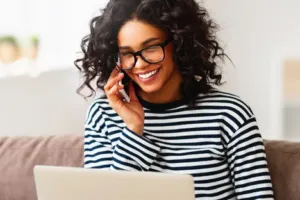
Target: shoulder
{"type": "Point", "coordinates": [233, 113]}
{"type": "Point", "coordinates": [229, 106]}
{"type": "Point", "coordinates": [97, 104]}
{"type": "Point", "coordinates": [97, 108]}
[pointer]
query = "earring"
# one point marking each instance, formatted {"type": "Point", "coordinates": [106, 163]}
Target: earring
{"type": "Point", "coordinates": [197, 78]}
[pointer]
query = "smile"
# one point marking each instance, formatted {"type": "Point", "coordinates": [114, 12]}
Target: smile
{"type": "Point", "coordinates": [147, 75]}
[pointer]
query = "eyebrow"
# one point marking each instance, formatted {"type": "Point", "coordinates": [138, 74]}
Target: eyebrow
{"type": "Point", "coordinates": [143, 43]}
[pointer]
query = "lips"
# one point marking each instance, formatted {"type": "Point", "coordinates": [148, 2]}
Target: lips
{"type": "Point", "coordinates": [149, 76]}
{"type": "Point", "coordinates": [145, 72]}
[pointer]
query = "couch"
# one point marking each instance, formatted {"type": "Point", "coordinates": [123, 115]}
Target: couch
{"type": "Point", "coordinates": [18, 156]}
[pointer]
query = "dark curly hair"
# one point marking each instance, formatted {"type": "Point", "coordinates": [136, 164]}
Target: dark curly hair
{"type": "Point", "coordinates": [196, 49]}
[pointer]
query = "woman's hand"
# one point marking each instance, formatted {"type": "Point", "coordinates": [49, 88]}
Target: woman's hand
{"type": "Point", "coordinates": [132, 113]}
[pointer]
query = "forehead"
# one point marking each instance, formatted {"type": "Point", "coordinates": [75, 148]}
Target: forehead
{"type": "Point", "coordinates": [134, 32]}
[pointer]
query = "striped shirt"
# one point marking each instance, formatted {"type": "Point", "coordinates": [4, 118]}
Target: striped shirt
{"type": "Point", "coordinates": [217, 141]}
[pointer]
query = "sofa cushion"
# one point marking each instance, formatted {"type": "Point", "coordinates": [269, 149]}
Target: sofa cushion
{"type": "Point", "coordinates": [284, 164]}
{"type": "Point", "coordinates": [18, 156]}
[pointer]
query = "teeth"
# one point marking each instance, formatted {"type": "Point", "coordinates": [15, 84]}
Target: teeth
{"type": "Point", "coordinates": [144, 76]}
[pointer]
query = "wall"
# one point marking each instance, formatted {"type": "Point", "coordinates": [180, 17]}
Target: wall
{"type": "Point", "coordinates": [44, 105]}
{"type": "Point", "coordinates": [47, 104]}
{"type": "Point", "coordinates": [253, 33]}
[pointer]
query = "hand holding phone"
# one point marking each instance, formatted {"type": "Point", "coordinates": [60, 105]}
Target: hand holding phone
{"type": "Point", "coordinates": [132, 113]}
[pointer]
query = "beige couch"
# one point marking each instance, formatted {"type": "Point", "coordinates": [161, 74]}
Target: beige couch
{"type": "Point", "coordinates": [18, 155]}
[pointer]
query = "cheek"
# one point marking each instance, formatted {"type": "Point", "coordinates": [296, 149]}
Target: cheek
{"type": "Point", "coordinates": [131, 75]}
{"type": "Point", "coordinates": [168, 61]}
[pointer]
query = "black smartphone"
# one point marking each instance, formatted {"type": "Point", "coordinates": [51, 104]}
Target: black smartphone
{"type": "Point", "coordinates": [125, 81]}
{"type": "Point", "coordinates": [124, 92]}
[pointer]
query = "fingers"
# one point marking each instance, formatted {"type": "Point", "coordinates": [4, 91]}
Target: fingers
{"type": "Point", "coordinates": [115, 72]}
{"type": "Point", "coordinates": [112, 87]}
{"type": "Point", "coordinates": [113, 80]}
{"type": "Point", "coordinates": [113, 95]}
{"type": "Point", "coordinates": [115, 90]}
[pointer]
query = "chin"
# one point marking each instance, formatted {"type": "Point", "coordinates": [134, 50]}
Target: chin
{"type": "Point", "coordinates": [150, 89]}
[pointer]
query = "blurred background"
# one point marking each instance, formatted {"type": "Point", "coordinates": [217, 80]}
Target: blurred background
{"type": "Point", "coordinates": [40, 39]}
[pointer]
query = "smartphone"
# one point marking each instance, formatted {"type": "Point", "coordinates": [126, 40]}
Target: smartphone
{"type": "Point", "coordinates": [124, 92]}
{"type": "Point", "coordinates": [125, 82]}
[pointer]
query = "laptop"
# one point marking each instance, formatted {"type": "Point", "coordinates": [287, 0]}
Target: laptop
{"type": "Point", "coordinates": [68, 183]}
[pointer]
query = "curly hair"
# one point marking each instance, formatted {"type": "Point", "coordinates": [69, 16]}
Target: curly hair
{"type": "Point", "coordinates": [196, 49]}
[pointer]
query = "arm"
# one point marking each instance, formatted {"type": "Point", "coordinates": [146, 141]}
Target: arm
{"type": "Point", "coordinates": [247, 163]}
{"type": "Point", "coordinates": [132, 152]}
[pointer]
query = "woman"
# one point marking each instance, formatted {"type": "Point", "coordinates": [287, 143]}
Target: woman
{"type": "Point", "coordinates": [176, 121]}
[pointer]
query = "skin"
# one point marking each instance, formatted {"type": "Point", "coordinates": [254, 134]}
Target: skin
{"type": "Point", "coordinates": [134, 36]}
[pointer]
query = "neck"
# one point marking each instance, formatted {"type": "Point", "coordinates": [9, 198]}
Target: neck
{"type": "Point", "coordinates": [168, 93]}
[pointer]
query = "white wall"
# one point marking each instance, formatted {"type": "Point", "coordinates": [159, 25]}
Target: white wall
{"type": "Point", "coordinates": [254, 32]}
{"type": "Point", "coordinates": [45, 105]}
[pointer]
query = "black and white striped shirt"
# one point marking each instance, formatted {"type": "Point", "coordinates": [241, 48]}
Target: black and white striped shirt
{"type": "Point", "coordinates": [217, 141]}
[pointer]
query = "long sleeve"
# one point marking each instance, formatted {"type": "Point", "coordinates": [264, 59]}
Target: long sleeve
{"type": "Point", "coordinates": [131, 151]}
{"type": "Point", "coordinates": [247, 163]}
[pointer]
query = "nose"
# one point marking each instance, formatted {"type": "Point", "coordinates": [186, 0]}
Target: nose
{"type": "Point", "coordinates": [140, 63]}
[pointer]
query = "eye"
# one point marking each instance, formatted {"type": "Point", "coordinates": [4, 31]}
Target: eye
{"type": "Point", "coordinates": [126, 55]}
{"type": "Point", "coordinates": [152, 48]}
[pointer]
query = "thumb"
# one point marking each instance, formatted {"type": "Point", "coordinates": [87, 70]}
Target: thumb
{"type": "Point", "coordinates": [132, 93]}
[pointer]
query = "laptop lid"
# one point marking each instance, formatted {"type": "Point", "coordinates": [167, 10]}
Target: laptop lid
{"type": "Point", "coordinates": [67, 183]}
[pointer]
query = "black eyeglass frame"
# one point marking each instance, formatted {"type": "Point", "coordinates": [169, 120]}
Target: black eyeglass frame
{"type": "Point", "coordinates": [139, 53]}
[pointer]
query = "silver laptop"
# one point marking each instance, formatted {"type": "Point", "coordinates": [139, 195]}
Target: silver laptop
{"type": "Point", "coordinates": [67, 183]}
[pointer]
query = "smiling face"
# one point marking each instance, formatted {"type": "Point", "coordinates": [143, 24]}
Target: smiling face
{"type": "Point", "coordinates": [155, 80]}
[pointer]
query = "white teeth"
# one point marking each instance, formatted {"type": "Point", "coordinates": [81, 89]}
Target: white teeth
{"type": "Point", "coordinates": [144, 76]}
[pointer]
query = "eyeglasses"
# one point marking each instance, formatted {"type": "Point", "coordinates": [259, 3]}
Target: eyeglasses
{"type": "Point", "coordinates": [152, 55]}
